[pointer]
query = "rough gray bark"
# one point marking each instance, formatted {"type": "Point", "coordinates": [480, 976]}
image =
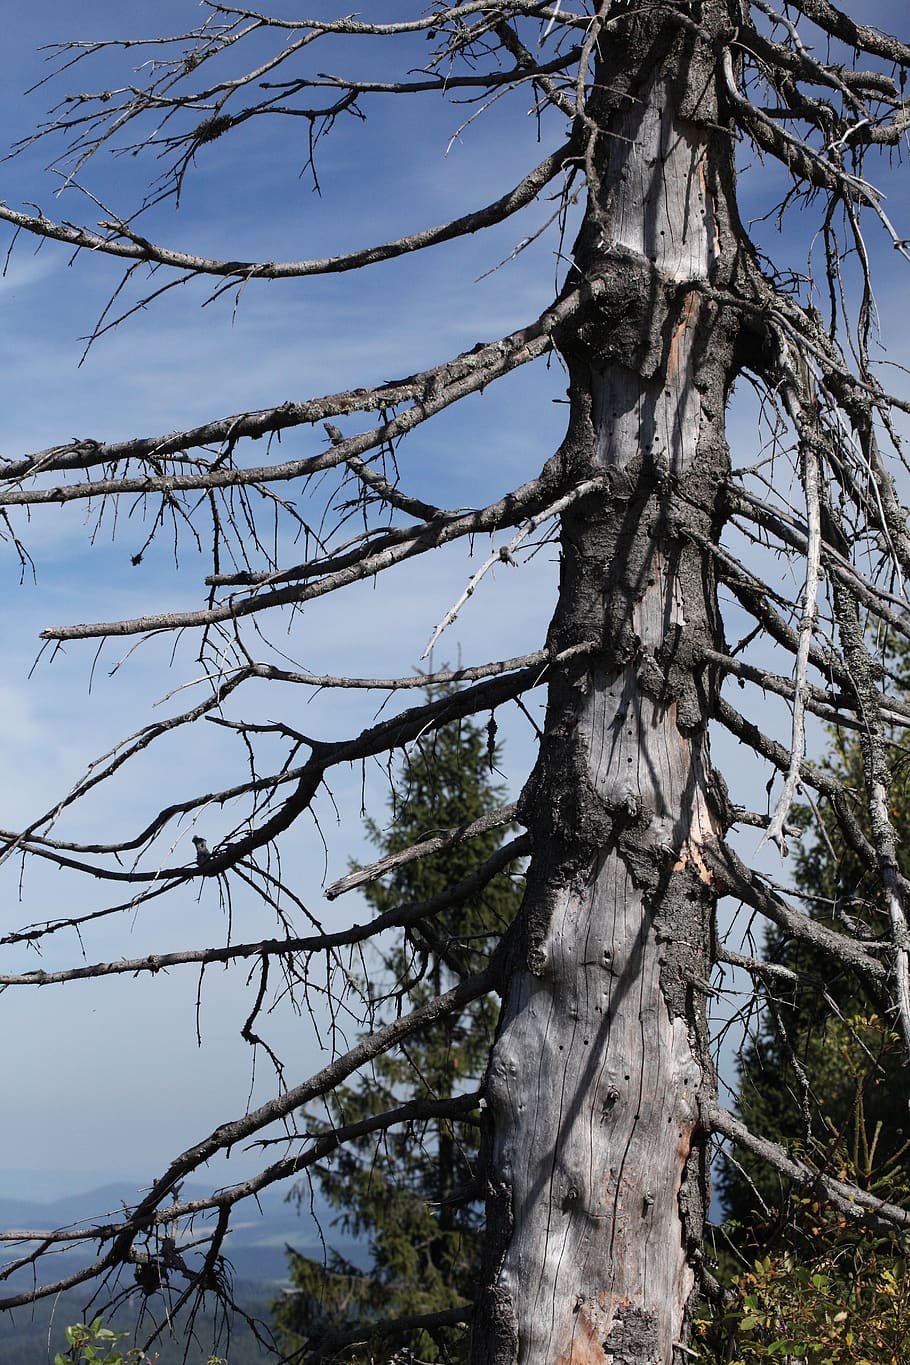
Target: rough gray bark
{"type": "Point", "coordinates": [601, 1096]}
{"type": "Point", "coordinates": [599, 1172]}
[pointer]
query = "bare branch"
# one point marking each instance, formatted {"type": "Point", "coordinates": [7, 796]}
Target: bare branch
{"type": "Point", "coordinates": [398, 918]}
{"type": "Point", "coordinates": [121, 1236]}
{"type": "Point", "coordinates": [810, 476]}
{"type": "Point", "coordinates": [435, 843]}
{"type": "Point", "coordinates": [751, 888]}
{"type": "Point", "coordinates": [119, 240]}
{"type": "Point", "coordinates": [855, 1204]}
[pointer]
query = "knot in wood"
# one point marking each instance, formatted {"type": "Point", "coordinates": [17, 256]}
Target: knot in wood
{"type": "Point", "coordinates": [622, 314]}
{"type": "Point", "coordinates": [571, 1197]}
{"type": "Point", "coordinates": [610, 1100]}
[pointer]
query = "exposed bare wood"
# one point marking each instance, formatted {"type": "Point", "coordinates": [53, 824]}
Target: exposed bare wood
{"type": "Point", "coordinates": [682, 572]}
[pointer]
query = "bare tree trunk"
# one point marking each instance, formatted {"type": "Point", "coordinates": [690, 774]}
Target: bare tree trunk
{"type": "Point", "coordinates": [598, 1169]}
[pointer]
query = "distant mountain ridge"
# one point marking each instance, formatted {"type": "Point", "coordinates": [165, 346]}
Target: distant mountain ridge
{"type": "Point", "coordinates": [255, 1247]}
{"type": "Point", "coordinates": [44, 1214]}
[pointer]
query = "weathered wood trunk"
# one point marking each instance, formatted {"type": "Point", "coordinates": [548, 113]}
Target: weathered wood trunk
{"type": "Point", "coordinates": [598, 1169]}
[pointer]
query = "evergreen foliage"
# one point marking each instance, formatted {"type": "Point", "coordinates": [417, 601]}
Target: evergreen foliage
{"type": "Point", "coordinates": [853, 1117]}
{"type": "Point", "coordinates": [413, 1192]}
{"type": "Point", "coordinates": [811, 1285]}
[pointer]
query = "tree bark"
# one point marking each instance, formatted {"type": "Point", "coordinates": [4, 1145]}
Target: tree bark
{"type": "Point", "coordinates": [598, 1179]}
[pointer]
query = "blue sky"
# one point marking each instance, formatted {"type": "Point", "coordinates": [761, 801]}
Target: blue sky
{"type": "Point", "coordinates": [106, 1079]}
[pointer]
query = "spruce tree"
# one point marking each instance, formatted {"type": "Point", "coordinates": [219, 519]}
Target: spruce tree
{"type": "Point", "coordinates": [852, 1119]}
{"type": "Point", "coordinates": [412, 1193]}
{"type": "Point", "coordinates": [807, 1278]}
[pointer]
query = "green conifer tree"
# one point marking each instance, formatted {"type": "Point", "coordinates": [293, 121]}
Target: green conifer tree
{"type": "Point", "coordinates": [412, 1193]}
{"type": "Point", "coordinates": [807, 1281]}
{"type": "Point", "coordinates": [854, 1116]}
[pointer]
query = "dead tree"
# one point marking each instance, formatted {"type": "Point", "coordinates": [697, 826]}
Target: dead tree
{"type": "Point", "coordinates": [677, 564]}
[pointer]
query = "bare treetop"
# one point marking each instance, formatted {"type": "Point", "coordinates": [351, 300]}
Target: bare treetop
{"type": "Point", "coordinates": [685, 566]}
